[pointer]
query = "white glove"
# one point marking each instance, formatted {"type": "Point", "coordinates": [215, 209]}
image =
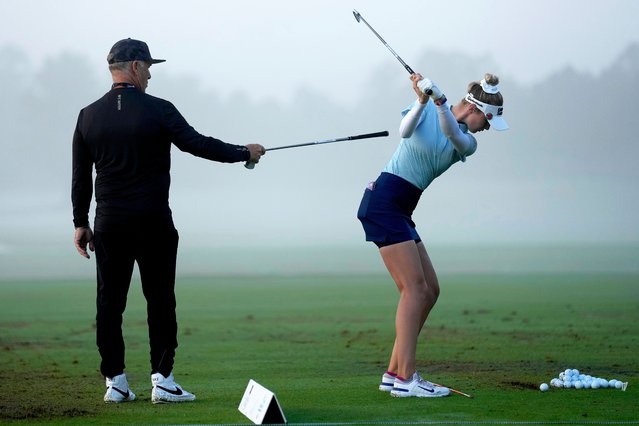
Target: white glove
{"type": "Point", "coordinates": [428, 88]}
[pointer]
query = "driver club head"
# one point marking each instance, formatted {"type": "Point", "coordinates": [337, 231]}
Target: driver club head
{"type": "Point", "coordinates": [356, 15]}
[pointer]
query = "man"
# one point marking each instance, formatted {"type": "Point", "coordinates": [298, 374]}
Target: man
{"type": "Point", "coordinates": [127, 136]}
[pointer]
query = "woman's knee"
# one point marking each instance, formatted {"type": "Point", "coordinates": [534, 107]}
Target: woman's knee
{"type": "Point", "coordinates": [419, 290]}
{"type": "Point", "coordinates": [434, 290]}
{"type": "Point", "coordinates": [428, 293]}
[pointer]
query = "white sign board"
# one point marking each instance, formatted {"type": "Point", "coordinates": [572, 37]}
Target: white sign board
{"type": "Point", "coordinates": [260, 405]}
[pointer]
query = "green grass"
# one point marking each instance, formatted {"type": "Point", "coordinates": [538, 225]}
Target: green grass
{"type": "Point", "coordinates": [321, 343]}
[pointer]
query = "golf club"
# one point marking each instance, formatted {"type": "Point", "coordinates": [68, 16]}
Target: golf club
{"type": "Point", "coordinates": [360, 18]}
{"type": "Point", "coordinates": [250, 165]}
{"type": "Point", "coordinates": [454, 391]}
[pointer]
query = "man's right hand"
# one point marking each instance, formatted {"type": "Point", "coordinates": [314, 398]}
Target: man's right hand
{"type": "Point", "coordinates": [83, 235]}
{"type": "Point", "coordinates": [256, 151]}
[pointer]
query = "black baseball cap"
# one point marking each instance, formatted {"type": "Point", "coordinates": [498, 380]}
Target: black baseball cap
{"type": "Point", "coordinates": [131, 50]}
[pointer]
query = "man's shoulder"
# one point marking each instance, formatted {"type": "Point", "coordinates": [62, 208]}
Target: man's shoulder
{"type": "Point", "coordinates": [97, 102]}
{"type": "Point", "coordinates": [157, 102]}
{"type": "Point", "coordinates": [111, 96]}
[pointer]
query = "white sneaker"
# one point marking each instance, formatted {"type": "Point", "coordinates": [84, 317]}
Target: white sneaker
{"type": "Point", "coordinates": [418, 387]}
{"type": "Point", "coordinates": [118, 390]}
{"type": "Point", "coordinates": [166, 390]}
{"type": "Point", "coordinates": [388, 381]}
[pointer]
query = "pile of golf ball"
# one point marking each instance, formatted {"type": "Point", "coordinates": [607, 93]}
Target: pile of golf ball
{"type": "Point", "coordinates": [572, 378]}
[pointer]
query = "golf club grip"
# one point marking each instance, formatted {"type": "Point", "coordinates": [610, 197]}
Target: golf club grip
{"type": "Point", "coordinates": [369, 135]}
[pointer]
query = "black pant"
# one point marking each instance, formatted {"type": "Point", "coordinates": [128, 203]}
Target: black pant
{"type": "Point", "coordinates": [154, 248]}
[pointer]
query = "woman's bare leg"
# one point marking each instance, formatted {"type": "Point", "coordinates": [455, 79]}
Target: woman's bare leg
{"type": "Point", "coordinates": [411, 269]}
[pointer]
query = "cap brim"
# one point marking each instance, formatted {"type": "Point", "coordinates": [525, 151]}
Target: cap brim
{"type": "Point", "coordinates": [157, 61]}
{"type": "Point", "coordinates": [498, 123]}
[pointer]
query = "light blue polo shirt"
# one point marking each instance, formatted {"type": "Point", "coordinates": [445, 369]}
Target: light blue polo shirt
{"type": "Point", "coordinates": [427, 153]}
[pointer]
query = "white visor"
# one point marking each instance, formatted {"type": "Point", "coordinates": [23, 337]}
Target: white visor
{"type": "Point", "coordinates": [493, 113]}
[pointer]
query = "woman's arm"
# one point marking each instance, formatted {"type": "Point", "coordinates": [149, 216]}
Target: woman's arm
{"type": "Point", "coordinates": [464, 143]}
{"type": "Point", "coordinates": [410, 120]}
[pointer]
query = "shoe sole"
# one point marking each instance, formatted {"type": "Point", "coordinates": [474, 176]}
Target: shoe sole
{"type": "Point", "coordinates": [159, 400]}
{"type": "Point", "coordinates": [408, 395]}
{"type": "Point", "coordinates": [112, 401]}
{"type": "Point", "coordinates": [163, 401]}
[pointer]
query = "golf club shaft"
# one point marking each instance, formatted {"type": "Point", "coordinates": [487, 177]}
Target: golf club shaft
{"type": "Point", "coordinates": [359, 17]}
{"type": "Point", "coordinates": [348, 138]}
{"type": "Point", "coordinates": [454, 391]}
{"type": "Point", "coordinates": [250, 165]}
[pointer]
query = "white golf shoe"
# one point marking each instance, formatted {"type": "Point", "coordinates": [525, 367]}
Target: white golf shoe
{"type": "Point", "coordinates": [118, 390]}
{"type": "Point", "coordinates": [418, 387]}
{"type": "Point", "coordinates": [388, 381]}
{"type": "Point", "coordinates": [165, 390]}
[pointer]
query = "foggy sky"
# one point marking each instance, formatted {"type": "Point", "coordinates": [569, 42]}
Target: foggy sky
{"type": "Point", "coordinates": [280, 73]}
{"type": "Point", "coordinates": [275, 48]}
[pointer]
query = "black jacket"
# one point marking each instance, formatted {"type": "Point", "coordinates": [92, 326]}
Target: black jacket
{"type": "Point", "coordinates": [127, 135]}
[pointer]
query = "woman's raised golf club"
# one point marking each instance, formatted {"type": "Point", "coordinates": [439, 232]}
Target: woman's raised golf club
{"type": "Point", "coordinates": [360, 18]}
{"type": "Point", "coordinates": [250, 165]}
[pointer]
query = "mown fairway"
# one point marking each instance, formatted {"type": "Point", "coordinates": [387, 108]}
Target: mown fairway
{"type": "Point", "coordinates": [321, 344]}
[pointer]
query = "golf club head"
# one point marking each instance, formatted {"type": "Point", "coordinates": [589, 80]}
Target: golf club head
{"type": "Point", "coordinates": [249, 165]}
{"type": "Point", "coordinates": [356, 15]}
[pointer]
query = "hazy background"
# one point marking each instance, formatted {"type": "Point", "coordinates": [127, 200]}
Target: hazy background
{"type": "Point", "coordinates": [558, 191]}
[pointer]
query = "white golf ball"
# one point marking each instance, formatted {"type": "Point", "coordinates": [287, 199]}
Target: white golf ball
{"type": "Point", "coordinates": [543, 387]}
{"type": "Point", "coordinates": [586, 385]}
{"type": "Point", "coordinates": [603, 383]}
{"type": "Point", "coordinates": [578, 384]}
{"type": "Point", "coordinates": [567, 384]}
{"type": "Point", "coordinates": [595, 384]}
{"type": "Point", "coordinates": [619, 384]}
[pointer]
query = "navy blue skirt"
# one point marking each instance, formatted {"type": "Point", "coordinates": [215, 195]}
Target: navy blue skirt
{"type": "Point", "coordinates": [386, 210]}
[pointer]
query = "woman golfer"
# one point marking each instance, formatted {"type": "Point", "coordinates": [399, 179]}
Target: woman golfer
{"type": "Point", "coordinates": [434, 137]}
